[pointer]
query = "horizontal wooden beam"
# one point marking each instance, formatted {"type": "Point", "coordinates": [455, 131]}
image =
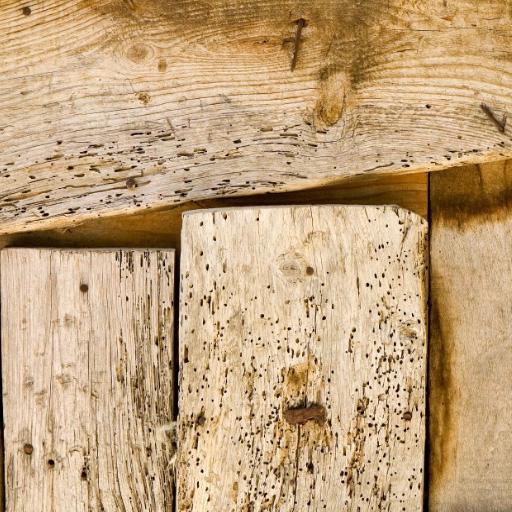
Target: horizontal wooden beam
{"type": "Point", "coordinates": [113, 106]}
{"type": "Point", "coordinates": [162, 228]}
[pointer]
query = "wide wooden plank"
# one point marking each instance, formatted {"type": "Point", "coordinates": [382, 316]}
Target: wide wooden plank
{"type": "Point", "coordinates": [162, 228]}
{"type": "Point", "coordinates": [302, 359]}
{"type": "Point", "coordinates": [471, 341]}
{"type": "Point", "coordinates": [112, 106]}
{"type": "Point", "coordinates": [87, 373]}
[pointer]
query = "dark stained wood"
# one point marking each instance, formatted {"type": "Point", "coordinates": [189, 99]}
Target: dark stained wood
{"type": "Point", "coordinates": [470, 339]}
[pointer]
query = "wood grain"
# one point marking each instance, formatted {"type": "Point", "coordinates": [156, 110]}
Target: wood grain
{"type": "Point", "coordinates": [87, 372]}
{"type": "Point", "coordinates": [115, 106]}
{"type": "Point", "coordinates": [162, 228]}
{"type": "Point", "coordinates": [471, 344]}
{"type": "Point", "coordinates": [302, 359]}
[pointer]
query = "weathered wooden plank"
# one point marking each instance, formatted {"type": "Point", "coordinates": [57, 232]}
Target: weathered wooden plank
{"type": "Point", "coordinates": [112, 106]}
{"type": "Point", "coordinates": [87, 344]}
{"type": "Point", "coordinates": [471, 344]}
{"type": "Point", "coordinates": [302, 359]}
{"type": "Point", "coordinates": [162, 228]}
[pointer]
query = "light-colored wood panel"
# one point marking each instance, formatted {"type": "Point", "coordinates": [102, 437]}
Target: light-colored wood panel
{"type": "Point", "coordinates": [163, 228]}
{"type": "Point", "coordinates": [471, 341]}
{"type": "Point", "coordinates": [87, 373]}
{"type": "Point", "coordinates": [113, 106]}
{"type": "Point", "coordinates": [302, 359]}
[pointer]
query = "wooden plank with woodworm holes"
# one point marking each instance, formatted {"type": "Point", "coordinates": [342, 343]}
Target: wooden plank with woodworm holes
{"type": "Point", "coordinates": [302, 359]}
{"type": "Point", "coordinates": [87, 373]}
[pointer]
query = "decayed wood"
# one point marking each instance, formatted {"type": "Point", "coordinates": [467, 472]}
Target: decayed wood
{"type": "Point", "coordinates": [302, 359]}
{"type": "Point", "coordinates": [471, 346]}
{"type": "Point", "coordinates": [87, 379]}
{"type": "Point", "coordinates": [111, 106]}
{"type": "Point", "coordinates": [162, 228]}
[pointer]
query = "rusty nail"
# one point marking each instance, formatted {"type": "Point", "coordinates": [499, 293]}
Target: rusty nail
{"type": "Point", "coordinates": [492, 116]}
{"type": "Point", "coordinates": [407, 416]}
{"type": "Point", "coordinates": [301, 23]}
{"type": "Point", "coordinates": [201, 420]}
{"type": "Point", "coordinates": [301, 415]}
{"type": "Point", "coordinates": [131, 183]}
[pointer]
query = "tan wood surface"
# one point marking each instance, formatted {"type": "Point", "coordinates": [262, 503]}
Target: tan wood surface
{"type": "Point", "coordinates": [163, 228]}
{"type": "Point", "coordinates": [113, 106]}
{"type": "Point", "coordinates": [302, 359]}
{"type": "Point", "coordinates": [87, 373]}
{"type": "Point", "coordinates": [471, 342]}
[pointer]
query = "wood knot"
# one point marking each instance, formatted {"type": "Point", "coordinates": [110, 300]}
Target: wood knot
{"type": "Point", "coordinates": [301, 415]}
{"type": "Point", "coordinates": [334, 87]}
{"type": "Point", "coordinates": [28, 448]}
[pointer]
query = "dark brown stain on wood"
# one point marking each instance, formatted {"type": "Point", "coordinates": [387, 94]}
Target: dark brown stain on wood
{"type": "Point", "coordinates": [442, 442]}
{"type": "Point", "coordinates": [469, 196]}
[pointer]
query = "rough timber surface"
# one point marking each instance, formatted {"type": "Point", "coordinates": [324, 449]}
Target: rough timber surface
{"type": "Point", "coordinates": [471, 343]}
{"type": "Point", "coordinates": [302, 359]}
{"type": "Point", "coordinates": [162, 228]}
{"type": "Point", "coordinates": [113, 106]}
{"type": "Point", "coordinates": [87, 380]}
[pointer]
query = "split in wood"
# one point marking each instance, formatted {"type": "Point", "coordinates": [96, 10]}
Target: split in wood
{"type": "Point", "coordinates": [301, 415]}
{"type": "Point", "coordinates": [501, 125]}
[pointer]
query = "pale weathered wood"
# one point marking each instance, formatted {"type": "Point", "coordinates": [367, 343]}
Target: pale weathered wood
{"type": "Point", "coordinates": [87, 344]}
{"type": "Point", "coordinates": [162, 228]}
{"type": "Point", "coordinates": [111, 106]}
{"type": "Point", "coordinates": [471, 340]}
{"type": "Point", "coordinates": [302, 359]}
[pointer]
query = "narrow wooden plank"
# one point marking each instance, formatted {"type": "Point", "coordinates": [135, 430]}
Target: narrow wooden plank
{"type": "Point", "coordinates": [302, 359]}
{"type": "Point", "coordinates": [471, 344]}
{"type": "Point", "coordinates": [87, 372]}
{"type": "Point", "coordinates": [152, 103]}
{"type": "Point", "coordinates": [162, 228]}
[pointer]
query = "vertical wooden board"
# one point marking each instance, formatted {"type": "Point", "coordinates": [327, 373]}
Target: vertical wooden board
{"type": "Point", "coordinates": [471, 344]}
{"type": "Point", "coordinates": [87, 344]}
{"type": "Point", "coordinates": [302, 359]}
